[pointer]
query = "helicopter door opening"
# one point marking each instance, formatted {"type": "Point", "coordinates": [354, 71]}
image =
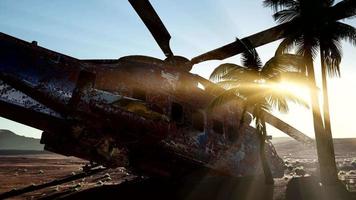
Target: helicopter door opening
{"type": "Point", "coordinates": [218, 127]}
{"type": "Point", "coordinates": [177, 112]}
{"type": "Point", "coordinates": [198, 121]}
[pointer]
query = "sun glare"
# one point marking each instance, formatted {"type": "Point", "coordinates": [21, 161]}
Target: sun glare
{"type": "Point", "coordinates": [296, 89]}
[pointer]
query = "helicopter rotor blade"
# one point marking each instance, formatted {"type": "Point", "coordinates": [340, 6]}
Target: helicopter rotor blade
{"type": "Point", "coordinates": [344, 9]}
{"type": "Point", "coordinates": [154, 24]}
{"type": "Point", "coordinates": [288, 129]}
{"type": "Point", "coordinates": [234, 48]}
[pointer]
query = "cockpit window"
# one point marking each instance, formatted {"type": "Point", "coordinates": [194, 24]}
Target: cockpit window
{"type": "Point", "coordinates": [177, 112]}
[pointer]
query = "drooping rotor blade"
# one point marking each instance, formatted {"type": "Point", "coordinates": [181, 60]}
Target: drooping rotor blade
{"type": "Point", "coordinates": [154, 24]}
{"type": "Point", "coordinates": [343, 9]}
{"type": "Point", "coordinates": [234, 48]}
{"type": "Point", "coordinates": [288, 129]}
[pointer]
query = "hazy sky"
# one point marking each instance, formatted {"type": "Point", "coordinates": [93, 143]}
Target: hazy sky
{"type": "Point", "coordinates": [111, 29]}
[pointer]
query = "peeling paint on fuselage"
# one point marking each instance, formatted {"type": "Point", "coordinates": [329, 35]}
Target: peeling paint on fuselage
{"type": "Point", "coordinates": [165, 100]}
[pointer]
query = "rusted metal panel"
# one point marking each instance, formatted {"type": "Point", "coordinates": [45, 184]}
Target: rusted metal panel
{"type": "Point", "coordinates": [131, 109]}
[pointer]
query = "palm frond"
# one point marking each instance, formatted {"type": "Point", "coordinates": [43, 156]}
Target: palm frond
{"type": "Point", "coordinates": [296, 78]}
{"type": "Point", "coordinates": [332, 57]}
{"type": "Point", "coordinates": [250, 57]}
{"type": "Point", "coordinates": [224, 69]}
{"type": "Point", "coordinates": [286, 15]}
{"type": "Point", "coordinates": [259, 118]}
{"type": "Point", "coordinates": [278, 99]}
{"type": "Point", "coordinates": [228, 84]}
{"type": "Point", "coordinates": [283, 63]}
{"type": "Point", "coordinates": [225, 97]}
{"type": "Point", "coordinates": [242, 76]}
{"type": "Point", "coordinates": [293, 40]}
{"type": "Point", "coordinates": [253, 92]}
{"type": "Point", "coordinates": [279, 4]}
{"type": "Point", "coordinates": [307, 46]}
{"type": "Point", "coordinates": [345, 32]}
{"type": "Point", "coordinates": [279, 103]}
{"type": "Point", "coordinates": [285, 46]}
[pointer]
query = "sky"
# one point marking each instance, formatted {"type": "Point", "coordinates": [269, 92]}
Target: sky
{"type": "Point", "coordinates": [111, 29]}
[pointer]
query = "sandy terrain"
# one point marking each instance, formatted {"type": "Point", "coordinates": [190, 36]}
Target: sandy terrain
{"type": "Point", "coordinates": [17, 171]}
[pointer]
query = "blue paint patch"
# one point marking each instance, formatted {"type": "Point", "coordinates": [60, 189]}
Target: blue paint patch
{"type": "Point", "coordinates": [202, 139]}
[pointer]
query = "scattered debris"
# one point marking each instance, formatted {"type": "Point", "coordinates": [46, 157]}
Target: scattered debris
{"type": "Point", "coordinates": [300, 171]}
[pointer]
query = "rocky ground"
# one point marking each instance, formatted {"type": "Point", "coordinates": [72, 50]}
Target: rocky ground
{"type": "Point", "coordinates": [301, 160]}
{"type": "Point", "coordinates": [18, 171]}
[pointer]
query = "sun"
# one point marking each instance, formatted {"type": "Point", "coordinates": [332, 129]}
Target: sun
{"type": "Point", "coordinates": [298, 90]}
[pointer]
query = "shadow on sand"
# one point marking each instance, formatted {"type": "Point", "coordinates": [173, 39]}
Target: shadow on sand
{"type": "Point", "coordinates": [308, 188]}
{"type": "Point", "coordinates": [206, 188]}
{"type": "Point", "coordinates": [212, 188]}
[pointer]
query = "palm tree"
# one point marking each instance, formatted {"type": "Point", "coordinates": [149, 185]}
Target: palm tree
{"type": "Point", "coordinates": [258, 87]}
{"type": "Point", "coordinates": [315, 26]}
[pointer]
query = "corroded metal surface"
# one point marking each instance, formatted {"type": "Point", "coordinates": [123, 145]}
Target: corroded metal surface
{"type": "Point", "coordinates": [137, 112]}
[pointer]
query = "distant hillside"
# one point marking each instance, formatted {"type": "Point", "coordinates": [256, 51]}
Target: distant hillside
{"type": "Point", "coordinates": [286, 146]}
{"type": "Point", "coordinates": [11, 141]}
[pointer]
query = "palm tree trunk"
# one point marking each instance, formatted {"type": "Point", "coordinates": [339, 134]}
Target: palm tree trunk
{"type": "Point", "coordinates": [327, 166]}
{"type": "Point", "coordinates": [265, 166]}
{"type": "Point", "coordinates": [325, 92]}
{"type": "Point", "coordinates": [327, 124]}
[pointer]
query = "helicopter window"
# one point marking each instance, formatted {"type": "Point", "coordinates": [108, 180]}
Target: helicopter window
{"type": "Point", "coordinates": [218, 127]}
{"type": "Point", "coordinates": [177, 112]}
{"type": "Point", "coordinates": [198, 121]}
{"type": "Point", "coordinates": [139, 94]}
{"type": "Point", "coordinates": [231, 133]}
{"type": "Point", "coordinates": [201, 86]}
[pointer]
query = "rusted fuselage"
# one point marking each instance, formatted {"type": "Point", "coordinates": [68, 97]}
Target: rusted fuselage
{"type": "Point", "coordinates": [137, 112]}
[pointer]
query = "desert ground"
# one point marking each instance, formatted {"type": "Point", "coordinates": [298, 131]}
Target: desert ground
{"type": "Point", "coordinates": [20, 169]}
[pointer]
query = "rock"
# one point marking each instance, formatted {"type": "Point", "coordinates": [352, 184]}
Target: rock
{"type": "Point", "coordinates": [300, 171]}
{"type": "Point", "coordinates": [353, 164]}
{"type": "Point", "coordinates": [352, 172]}
{"type": "Point", "coordinates": [107, 175]}
{"type": "Point", "coordinates": [100, 183]}
{"type": "Point", "coordinates": [290, 167]}
{"type": "Point", "coordinates": [341, 173]}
